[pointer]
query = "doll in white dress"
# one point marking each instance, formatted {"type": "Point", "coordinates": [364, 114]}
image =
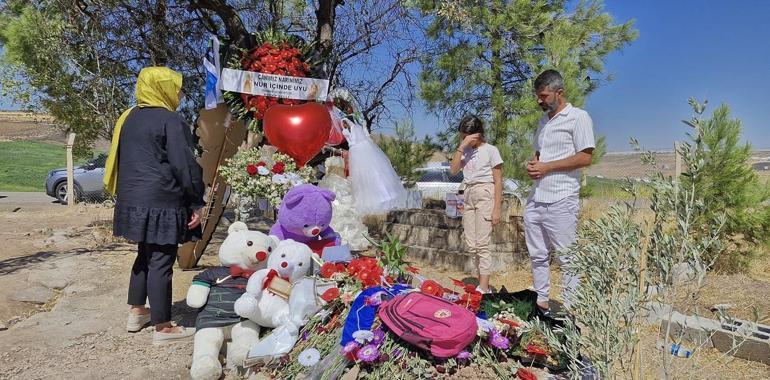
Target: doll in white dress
{"type": "Point", "coordinates": [376, 185]}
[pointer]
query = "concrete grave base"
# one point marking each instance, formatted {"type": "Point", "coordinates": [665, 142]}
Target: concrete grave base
{"type": "Point", "coordinates": [739, 338]}
{"type": "Point", "coordinates": [433, 237]}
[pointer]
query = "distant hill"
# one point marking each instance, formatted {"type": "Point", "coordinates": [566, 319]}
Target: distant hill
{"type": "Point", "coordinates": [26, 126]}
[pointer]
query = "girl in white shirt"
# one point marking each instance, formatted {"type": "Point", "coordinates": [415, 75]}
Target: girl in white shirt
{"type": "Point", "coordinates": [483, 181]}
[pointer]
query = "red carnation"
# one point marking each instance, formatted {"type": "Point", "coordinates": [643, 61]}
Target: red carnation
{"type": "Point", "coordinates": [251, 169]}
{"type": "Point", "coordinates": [328, 269]}
{"type": "Point", "coordinates": [261, 163]}
{"type": "Point", "coordinates": [279, 167]}
{"type": "Point", "coordinates": [367, 278]}
{"type": "Point", "coordinates": [432, 287]}
{"type": "Point", "coordinates": [330, 294]}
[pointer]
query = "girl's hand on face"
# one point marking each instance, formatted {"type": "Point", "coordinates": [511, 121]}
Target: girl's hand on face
{"type": "Point", "coordinates": [471, 141]}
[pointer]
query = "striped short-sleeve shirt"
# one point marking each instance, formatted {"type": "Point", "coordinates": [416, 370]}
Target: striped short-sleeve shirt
{"type": "Point", "coordinates": [568, 132]}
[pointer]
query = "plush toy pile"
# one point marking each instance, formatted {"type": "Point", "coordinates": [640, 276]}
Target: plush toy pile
{"type": "Point", "coordinates": [380, 324]}
{"type": "Point", "coordinates": [289, 312]}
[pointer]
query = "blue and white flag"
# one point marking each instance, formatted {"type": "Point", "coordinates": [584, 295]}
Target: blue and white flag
{"type": "Point", "coordinates": [213, 69]}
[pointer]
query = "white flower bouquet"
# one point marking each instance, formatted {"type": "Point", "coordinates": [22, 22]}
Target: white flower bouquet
{"type": "Point", "coordinates": [264, 173]}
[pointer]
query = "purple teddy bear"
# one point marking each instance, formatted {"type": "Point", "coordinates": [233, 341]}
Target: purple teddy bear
{"type": "Point", "coordinates": [304, 215]}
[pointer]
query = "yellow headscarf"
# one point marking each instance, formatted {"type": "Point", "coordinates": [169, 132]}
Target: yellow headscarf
{"type": "Point", "coordinates": [155, 87]}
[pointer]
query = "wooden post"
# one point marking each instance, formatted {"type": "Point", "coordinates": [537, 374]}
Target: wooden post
{"type": "Point", "coordinates": [70, 179]}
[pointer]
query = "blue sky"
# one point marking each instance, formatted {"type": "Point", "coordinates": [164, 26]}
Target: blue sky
{"type": "Point", "coordinates": [715, 50]}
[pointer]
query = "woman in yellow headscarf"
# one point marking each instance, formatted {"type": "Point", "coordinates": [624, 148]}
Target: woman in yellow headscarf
{"type": "Point", "coordinates": [159, 194]}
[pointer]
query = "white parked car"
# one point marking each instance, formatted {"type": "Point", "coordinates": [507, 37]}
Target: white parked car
{"type": "Point", "coordinates": [436, 181]}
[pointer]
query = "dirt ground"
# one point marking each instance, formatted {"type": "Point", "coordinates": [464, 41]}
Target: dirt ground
{"type": "Point", "coordinates": [74, 277]}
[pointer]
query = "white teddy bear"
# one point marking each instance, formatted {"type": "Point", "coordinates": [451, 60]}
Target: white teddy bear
{"type": "Point", "coordinates": [215, 291]}
{"type": "Point", "coordinates": [291, 261]}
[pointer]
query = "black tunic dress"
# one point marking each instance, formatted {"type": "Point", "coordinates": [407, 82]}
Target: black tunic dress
{"type": "Point", "coordinates": [159, 181]}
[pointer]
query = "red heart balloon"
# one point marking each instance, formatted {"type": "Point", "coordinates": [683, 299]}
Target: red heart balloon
{"type": "Point", "coordinates": [299, 131]}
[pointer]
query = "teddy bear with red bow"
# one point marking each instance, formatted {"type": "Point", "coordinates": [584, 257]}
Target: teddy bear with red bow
{"type": "Point", "coordinates": [215, 291]}
{"type": "Point", "coordinates": [268, 292]}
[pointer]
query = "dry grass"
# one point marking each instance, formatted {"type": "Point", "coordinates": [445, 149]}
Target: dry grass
{"type": "Point", "coordinates": [707, 363]}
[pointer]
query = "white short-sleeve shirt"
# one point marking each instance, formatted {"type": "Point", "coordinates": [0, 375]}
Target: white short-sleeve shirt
{"type": "Point", "coordinates": [478, 163]}
{"type": "Point", "coordinates": [568, 132]}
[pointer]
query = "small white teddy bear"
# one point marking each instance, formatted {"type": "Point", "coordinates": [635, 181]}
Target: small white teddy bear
{"type": "Point", "coordinates": [215, 291]}
{"type": "Point", "coordinates": [290, 261]}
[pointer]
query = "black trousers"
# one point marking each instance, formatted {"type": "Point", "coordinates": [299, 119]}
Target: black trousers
{"type": "Point", "coordinates": [151, 278]}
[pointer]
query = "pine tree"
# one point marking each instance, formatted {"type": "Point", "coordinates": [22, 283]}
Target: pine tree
{"type": "Point", "coordinates": [405, 151]}
{"type": "Point", "coordinates": [487, 53]}
{"type": "Point", "coordinates": [729, 187]}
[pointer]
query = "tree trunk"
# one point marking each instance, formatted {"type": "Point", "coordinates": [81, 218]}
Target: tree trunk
{"type": "Point", "coordinates": [159, 34]}
{"type": "Point", "coordinates": [499, 127]}
{"type": "Point", "coordinates": [238, 34]}
{"type": "Point", "coordinates": [325, 30]}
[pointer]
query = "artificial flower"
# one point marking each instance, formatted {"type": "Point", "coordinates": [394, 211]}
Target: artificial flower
{"type": "Point", "coordinates": [330, 294]}
{"type": "Point", "coordinates": [525, 374]}
{"type": "Point", "coordinates": [350, 347]}
{"type": "Point", "coordinates": [350, 350]}
{"type": "Point", "coordinates": [369, 277]}
{"type": "Point", "coordinates": [251, 169]}
{"type": "Point", "coordinates": [499, 341]}
{"type": "Point", "coordinates": [309, 357]}
{"type": "Point", "coordinates": [470, 300]}
{"type": "Point", "coordinates": [280, 179]}
{"type": "Point", "coordinates": [483, 327]}
{"type": "Point", "coordinates": [368, 353]}
{"type": "Point", "coordinates": [347, 298]}
{"type": "Point", "coordinates": [510, 323]}
{"type": "Point", "coordinates": [363, 336]}
{"type": "Point", "coordinates": [384, 357]}
{"type": "Point", "coordinates": [432, 287]}
{"type": "Point", "coordinates": [463, 355]}
{"type": "Point", "coordinates": [262, 170]}
{"type": "Point", "coordinates": [328, 269]}
{"type": "Point", "coordinates": [294, 179]}
{"type": "Point", "coordinates": [379, 336]}
{"type": "Point", "coordinates": [535, 350]}
{"type": "Point", "coordinates": [279, 168]}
